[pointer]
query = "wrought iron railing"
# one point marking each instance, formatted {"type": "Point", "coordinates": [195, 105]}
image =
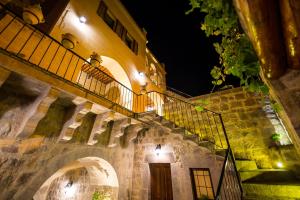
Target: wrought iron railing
{"type": "Point", "coordinates": [44, 53]}
{"type": "Point", "coordinates": [176, 93]}
{"type": "Point", "coordinates": [229, 187]}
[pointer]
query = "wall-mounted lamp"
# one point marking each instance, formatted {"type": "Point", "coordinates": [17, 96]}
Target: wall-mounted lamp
{"type": "Point", "coordinates": [82, 19]}
{"type": "Point", "coordinates": [143, 89]}
{"type": "Point", "coordinates": [279, 164]}
{"type": "Point", "coordinates": [158, 149]}
{"type": "Point", "coordinates": [142, 74]}
{"type": "Point", "coordinates": [69, 184]}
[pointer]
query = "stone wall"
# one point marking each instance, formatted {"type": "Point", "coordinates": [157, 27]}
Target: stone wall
{"type": "Point", "coordinates": [26, 165]}
{"type": "Point", "coordinates": [24, 171]}
{"type": "Point", "coordinates": [248, 128]}
{"type": "Point", "coordinates": [181, 154]}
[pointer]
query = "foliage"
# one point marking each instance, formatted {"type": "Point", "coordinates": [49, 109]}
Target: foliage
{"type": "Point", "coordinates": [276, 106]}
{"type": "Point", "coordinates": [236, 54]}
{"type": "Point", "coordinates": [100, 195]}
{"type": "Point", "coordinates": [276, 137]}
{"type": "Point", "coordinates": [201, 104]}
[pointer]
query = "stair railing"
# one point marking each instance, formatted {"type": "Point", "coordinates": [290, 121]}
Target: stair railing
{"type": "Point", "coordinates": [229, 186]}
{"type": "Point", "coordinates": [42, 52]}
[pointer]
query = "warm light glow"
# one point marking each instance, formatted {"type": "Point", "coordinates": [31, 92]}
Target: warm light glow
{"type": "Point", "coordinates": [70, 190]}
{"type": "Point", "coordinates": [279, 164]}
{"type": "Point", "coordinates": [158, 149]}
{"type": "Point", "coordinates": [142, 74]}
{"type": "Point", "coordinates": [82, 19]}
{"type": "Point", "coordinates": [140, 77]}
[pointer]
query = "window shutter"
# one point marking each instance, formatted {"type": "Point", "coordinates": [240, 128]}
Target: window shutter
{"type": "Point", "coordinates": [135, 47]}
{"type": "Point", "coordinates": [119, 28]}
{"type": "Point", "coordinates": [102, 9]}
{"type": "Point", "coordinates": [124, 34]}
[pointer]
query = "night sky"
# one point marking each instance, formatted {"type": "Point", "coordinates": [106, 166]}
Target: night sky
{"type": "Point", "coordinates": [177, 40]}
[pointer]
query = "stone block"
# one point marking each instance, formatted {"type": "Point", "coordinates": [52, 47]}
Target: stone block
{"type": "Point", "coordinates": [250, 102]}
{"type": "Point", "coordinates": [224, 107]}
{"type": "Point", "coordinates": [240, 96]}
{"type": "Point", "coordinates": [234, 104]}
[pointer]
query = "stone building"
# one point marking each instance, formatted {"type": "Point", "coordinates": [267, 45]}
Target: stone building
{"type": "Point", "coordinates": [84, 114]}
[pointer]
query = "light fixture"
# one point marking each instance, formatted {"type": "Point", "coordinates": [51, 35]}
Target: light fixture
{"type": "Point", "coordinates": [142, 74]}
{"type": "Point", "coordinates": [158, 149]}
{"type": "Point", "coordinates": [82, 19]}
{"type": "Point", "coordinates": [70, 183]}
{"type": "Point", "coordinates": [279, 164]}
{"type": "Point", "coordinates": [143, 89]}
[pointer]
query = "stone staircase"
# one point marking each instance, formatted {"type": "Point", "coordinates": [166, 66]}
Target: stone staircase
{"type": "Point", "coordinates": [269, 184]}
{"type": "Point", "coordinates": [153, 119]}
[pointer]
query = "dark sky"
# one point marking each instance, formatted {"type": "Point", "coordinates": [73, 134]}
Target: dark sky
{"type": "Point", "coordinates": [177, 40]}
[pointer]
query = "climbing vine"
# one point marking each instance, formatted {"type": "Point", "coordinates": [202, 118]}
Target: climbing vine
{"type": "Point", "coordinates": [236, 54]}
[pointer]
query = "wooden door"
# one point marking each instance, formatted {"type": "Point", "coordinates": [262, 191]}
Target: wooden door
{"type": "Point", "coordinates": [161, 182]}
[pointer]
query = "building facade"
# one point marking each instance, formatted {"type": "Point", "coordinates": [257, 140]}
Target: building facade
{"type": "Point", "coordinates": [84, 113]}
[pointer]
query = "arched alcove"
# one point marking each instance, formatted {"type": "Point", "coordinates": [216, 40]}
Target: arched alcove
{"type": "Point", "coordinates": [93, 79]}
{"type": "Point", "coordinates": [80, 179]}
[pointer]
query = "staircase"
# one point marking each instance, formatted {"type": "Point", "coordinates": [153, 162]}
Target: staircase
{"type": "Point", "coordinates": [43, 54]}
{"type": "Point", "coordinates": [267, 183]}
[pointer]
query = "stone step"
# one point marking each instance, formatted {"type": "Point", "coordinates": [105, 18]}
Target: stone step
{"type": "Point", "coordinates": [268, 176]}
{"type": "Point", "coordinates": [150, 117]}
{"type": "Point", "coordinates": [270, 184]}
{"type": "Point", "coordinates": [271, 191]}
{"type": "Point", "coordinates": [246, 165]}
{"type": "Point", "coordinates": [178, 130]}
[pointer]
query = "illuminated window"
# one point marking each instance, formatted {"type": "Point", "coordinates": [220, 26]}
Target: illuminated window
{"type": "Point", "coordinates": [202, 185]}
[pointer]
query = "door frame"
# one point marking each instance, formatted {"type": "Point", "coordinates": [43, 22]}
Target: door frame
{"type": "Point", "coordinates": [171, 186]}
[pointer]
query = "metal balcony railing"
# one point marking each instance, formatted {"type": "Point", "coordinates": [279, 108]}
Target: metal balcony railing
{"type": "Point", "coordinates": [42, 52]}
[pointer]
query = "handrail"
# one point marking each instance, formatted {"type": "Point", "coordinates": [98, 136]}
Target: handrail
{"type": "Point", "coordinates": [53, 39]}
{"type": "Point", "coordinates": [43, 52]}
{"type": "Point", "coordinates": [185, 95]}
{"type": "Point", "coordinates": [229, 186]}
{"type": "Point", "coordinates": [187, 102]}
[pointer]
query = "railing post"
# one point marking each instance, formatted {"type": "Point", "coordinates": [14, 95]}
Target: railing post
{"type": "Point", "coordinates": [224, 131]}
{"type": "Point", "coordinates": [222, 175]}
{"type": "Point", "coordinates": [232, 156]}
{"type": "Point", "coordinates": [236, 172]}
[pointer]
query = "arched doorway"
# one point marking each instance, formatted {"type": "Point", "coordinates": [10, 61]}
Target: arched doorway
{"type": "Point", "coordinates": [81, 179]}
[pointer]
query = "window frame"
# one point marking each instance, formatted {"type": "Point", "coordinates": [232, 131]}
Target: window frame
{"type": "Point", "coordinates": [193, 181]}
{"type": "Point", "coordinates": [110, 19]}
{"type": "Point", "coordinates": [118, 28]}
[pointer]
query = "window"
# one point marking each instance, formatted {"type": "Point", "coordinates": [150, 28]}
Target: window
{"type": "Point", "coordinates": [117, 27]}
{"type": "Point", "coordinates": [129, 40]}
{"type": "Point", "coordinates": [109, 19]}
{"type": "Point", "coordinates": [202, 185]}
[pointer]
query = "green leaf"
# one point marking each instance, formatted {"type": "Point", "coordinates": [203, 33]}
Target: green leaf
{"type": "Point", "coordinates": [264, 89]}
{"type": "Point", "coordinates": [199, 108]}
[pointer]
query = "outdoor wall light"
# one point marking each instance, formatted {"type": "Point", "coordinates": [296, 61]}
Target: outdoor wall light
{"type": "Point", "coordinates": [279, 164]}
{"type": "Point", "coordinates": [143, 89]}
{"type": "Point", "coordinates": [158, 149]}
{"type": "Point", "coordinates": [70, 183]}
{"type": "Point", "coordinates": [82, 19]}
{"type": "Point", "coordinates": [142, 74]}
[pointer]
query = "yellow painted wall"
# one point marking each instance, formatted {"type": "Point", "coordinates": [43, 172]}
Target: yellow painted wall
{"type": "Point", "coordinates": [96, 36]}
